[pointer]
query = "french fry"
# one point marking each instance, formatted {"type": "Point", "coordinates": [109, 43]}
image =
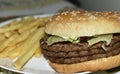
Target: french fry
{"type": "Point", "coordinates": [22, 59]}
{"type": "Point", "coordinates": [45, 19]}
{"type": "Point", "coordinates": [2, 37]}
{"type": "Point", "coordinates": [25, 56]}
{"type": "Point", "coordinates": [35, 36]}
{"type": "Point", "coordinates": [22, 37]}
{"type": "Point", "coordinates": [10, 33]}
{"type": "Point", "coordinates": [16, 25]}
{"type": "Point", "coordinates": [3, 30]}
{"type": "Point", "coordinates": [14, 22]}
{"type": "Point", "coordinates": [26, 27]}
{"type": "Point", "coordinates": [30, 18]}
{"type": "Point", "coordinates": [22, 19]}
{"type": "Point", "coordinates": [2, 41]}
{"type": "Point", "coordinates": [27, 20]}
{"type": "Point", "coordinates": [7, 41]}
{"type": "Point", "coordinates": [16, 38]}
{"type": "Point", "coordinates": [6, 52]}
{"type": "Point", "coordinates": [37, 53]}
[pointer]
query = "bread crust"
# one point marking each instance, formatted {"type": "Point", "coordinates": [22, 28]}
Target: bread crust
{"type": "Point", "coordinates": [79, 23]}
{"type": "Point", "coordinates": [89, 66]}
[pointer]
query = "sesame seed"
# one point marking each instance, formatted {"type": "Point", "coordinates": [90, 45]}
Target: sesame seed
{"type": "Point", "coordinates": [92, 17]}
{"type": "Point", "coordinates": [50, 19]}
{"type": "Point", "coordinates": [86, 11]}
{"type": "Point", "coordinates": [118, 18]}
{"type": "Point", "coordinates": [108, 17]}
{"type": "Point", "coordinates": [59, 18]}
{"type": "Point", "coordinates": [71, 19]}
{"type": "Point", "coordinates": [96, 13]}
{"type": "Point", "coordinates": [68, 23]}
{"type": "Point", "coordinates": [64, 13]}
{"type": "Point", "coordinates": [79, 18]}
{"type": "Point", "coordinates": [88, 14]}
{"type": "Point", "coordinates": [77, 11]}
{"type": "Point", "coordinates": [73, 13]}
{"type": "Point", "coordinates": [83, 19]}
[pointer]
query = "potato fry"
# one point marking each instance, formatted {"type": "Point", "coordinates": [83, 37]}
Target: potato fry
{"type": "Point", "coordinates": [37, 53]}
{"type": "Point", "coordinates": [6, 52]}
{"type": "Point", "coordinates": [16, 38]}
{"type": "Point", "coordinates": [2, 41]}
{"type": "Point", "coordinates": [13, 27]}
{"type": "Point", "coordinates": [30, 18]}
{"type": "Point", "coordinates": [14, 22]}
{"type": "Point", "coordinates": [7, 41]}
{"type": "Point", "coordinates": [16, 25]}
{"type": "Point", "coordinates": [35, 36]}
{"type": "Point", "coordinates": [22, 37]}
{"type": "Point", "coordinates": [22, 59]}
{"type": "Point", "coordinates": [45, 19]}
{"type": "Point", "coordinates": [26, 27]}
{"type": "Point", "coordinates": [2, 37]}
{"type": "Point", "coordinates": [10, 33]}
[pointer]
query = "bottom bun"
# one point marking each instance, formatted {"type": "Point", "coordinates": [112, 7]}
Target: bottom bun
{"type": "Point", "coordinates": [91, 66]}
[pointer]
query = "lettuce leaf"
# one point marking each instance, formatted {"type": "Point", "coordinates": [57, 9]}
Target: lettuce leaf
{"type": "Point", "coordinates": [54, 39]}
{"type": "Point", "coordinates": [107, 38]}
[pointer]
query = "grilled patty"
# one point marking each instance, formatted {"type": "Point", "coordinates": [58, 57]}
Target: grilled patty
{"type": "Point", "coordinates": [68, 53]}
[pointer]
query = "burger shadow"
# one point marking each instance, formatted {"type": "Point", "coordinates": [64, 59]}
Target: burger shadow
{"type": "Point", "coordinates": [110, 71]}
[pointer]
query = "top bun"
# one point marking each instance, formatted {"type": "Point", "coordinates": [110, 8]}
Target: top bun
{"type": "Point", "coordinates": [78, 23]}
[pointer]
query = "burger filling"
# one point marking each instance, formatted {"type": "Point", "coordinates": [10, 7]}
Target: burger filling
{"type": "Point", "coordinates": [67, 50]}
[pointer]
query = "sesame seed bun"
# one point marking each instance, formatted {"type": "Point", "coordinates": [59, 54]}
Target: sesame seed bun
{"type": "Point", "coordinates": [80, 23]}
{"type": "Point", "coordinates": [89, 66]}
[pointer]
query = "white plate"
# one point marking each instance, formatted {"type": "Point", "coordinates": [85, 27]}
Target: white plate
{"type": "Point", "coordinates": [34, 65]}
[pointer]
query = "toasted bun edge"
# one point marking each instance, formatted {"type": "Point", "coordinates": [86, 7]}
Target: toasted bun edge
{"type": "Point", "coordinates": [88, 66]}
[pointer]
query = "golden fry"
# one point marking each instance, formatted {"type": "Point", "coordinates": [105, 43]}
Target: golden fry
{"type": "Point", "coordinates": [7, 41]}
{"type": "Point", "coordinates": [30, 18]}
{"type": "Point", "coordinates": [2, 41]}
{"type": "Point", "coordinates": [35, 36]}
{"type": "Point", "coordinates": [22, 37]}
{"type": "Point", "coordinates": [6, 52]}
{"type": "Point", "coordinates": [13, 27]}
{"type": "Point", "coordinates": [10, 33]}
{"type": "Point", "coordinates": [22, 59]}
{"type": "Point", "coordinates": [37, 53]}
{"type": "Point", "coordinates": [2, 37]}
{"type": "Point", "coordinates": [31, 25]}
{"type": "Point", "coordinates": [45, 19]}
{"type": "Point", "coordinates": [16, 25]}
{"type": "Point", "coordinates": [14, 22]}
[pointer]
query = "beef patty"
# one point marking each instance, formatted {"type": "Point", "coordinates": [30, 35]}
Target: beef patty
{"type": "Point", "coordinates": [68, 53]}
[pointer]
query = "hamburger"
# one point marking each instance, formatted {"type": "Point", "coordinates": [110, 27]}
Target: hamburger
{"type": "Point", "coordinates": [80, 41]}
